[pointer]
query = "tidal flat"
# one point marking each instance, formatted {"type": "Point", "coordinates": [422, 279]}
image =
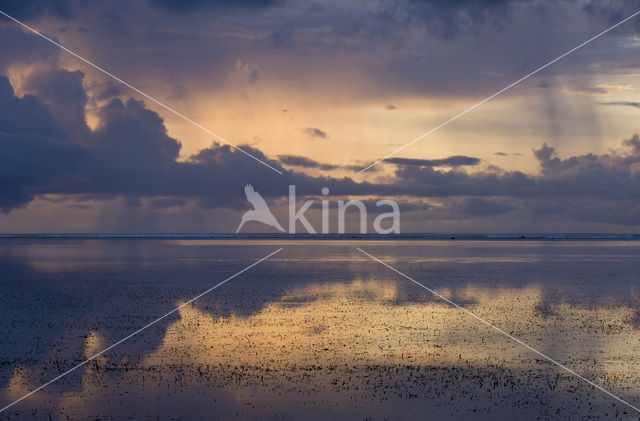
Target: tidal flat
{"type": "Point", "coordinates": [319, 330]}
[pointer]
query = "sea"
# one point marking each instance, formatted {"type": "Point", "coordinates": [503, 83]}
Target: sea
{"type": "Point", "coordinates": [419, 326]}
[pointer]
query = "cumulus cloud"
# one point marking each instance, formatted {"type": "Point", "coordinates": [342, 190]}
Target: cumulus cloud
{"type": "Point", "coordinates": [129, 154]}
{"type": "Point", "coordinates": [26, 114]}
{"type": "Point", "coordinates": [63, 93]}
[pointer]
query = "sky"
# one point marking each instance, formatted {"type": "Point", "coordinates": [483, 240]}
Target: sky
{"type": "Point", "coordinates": [319, 90]}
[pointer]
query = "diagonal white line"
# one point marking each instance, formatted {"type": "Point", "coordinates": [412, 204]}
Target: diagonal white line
{"type": "Point", "coordinates": [166, 107]}
{"type": "Point", "coordinates": [139, 330]}
{"type": "Point", "coordinates": [500, 330]}
{"type": "Point", "coordinates": [476, 105]}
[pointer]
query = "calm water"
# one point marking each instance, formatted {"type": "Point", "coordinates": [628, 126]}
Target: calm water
{"type": "Point", "coordinates": [319, 329]}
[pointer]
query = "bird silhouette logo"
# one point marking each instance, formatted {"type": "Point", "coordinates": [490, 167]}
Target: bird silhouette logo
{"type": "Point", "coordinates": [260, 211]}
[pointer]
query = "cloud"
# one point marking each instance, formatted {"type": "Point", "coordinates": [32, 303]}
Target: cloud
{"type": "Point", "coordinates": [507, 154]}
{"type": "Point", "coordinates": [47, 149]}
{"type": "Point", "coordinates": [600, 89]}
{"type": "Point", "coordinates": [63, 93]}
{"type": "Point", "coordinates": [315, 133]}
{"type": "Point", "coordinates": [106, 90]}
{"type": "Point", "coordinates": [622, 103]}
{"type": "Point", "coordinates": [132, 135]}
{"type": "Point", "coordinates": [244, 72]}
{"type": "Point", "coordinates": [479, 206]}
{"type": "Point", "coordinates": [192, 5]}
{"type": "Point", "coordinates": [449, 19]}
{"type": "Point", "coordinates": [452, 161]}
{"type": "Point", "coordinates": [587, 91]}
{"type": "Point", "coordinates": [41, 154]}
{"type": "Point", "coordinates": [390, 107]}
{"type": "Point", "coordinates": [24, 115]}
{"type": "Point", "coordinates": [301, 161]}
{"type": "Point", "coordinates": [304, 162]}
{"type": "Point", "coordinates": [31, 9]}
{"type": "Point", "coordinates": [577, 188]}
{"type": "Point", "coordinates": [33, 152]}
{"type": "Point", "coordinates": [131, 155]}
{"type": "Point", "coordinates": [612, 11]}
{"type": "Point", "coordinates": [391, 63]}
{"type": "Point", "coordinates": [19, 47]}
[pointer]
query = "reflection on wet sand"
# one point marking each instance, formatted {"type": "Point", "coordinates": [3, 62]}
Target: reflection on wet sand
{"type": "Point", "coordinates": [360, 349]}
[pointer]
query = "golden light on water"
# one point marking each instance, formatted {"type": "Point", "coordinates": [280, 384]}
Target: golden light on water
{"type": "Point", "coordinates": [363, 322]}
{"type": "Point", "coordinates": [318, 334]}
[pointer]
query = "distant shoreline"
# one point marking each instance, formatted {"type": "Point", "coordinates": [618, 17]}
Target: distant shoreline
{"type": "Point", "coordinates": [411, 236]}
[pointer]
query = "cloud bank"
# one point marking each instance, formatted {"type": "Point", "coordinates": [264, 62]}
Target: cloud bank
{"type": "Point", "coordinates": [48, 149]}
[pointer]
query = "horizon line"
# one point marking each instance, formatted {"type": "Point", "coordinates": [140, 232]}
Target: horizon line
{"type": "Point", "coordinates": [343, 236]}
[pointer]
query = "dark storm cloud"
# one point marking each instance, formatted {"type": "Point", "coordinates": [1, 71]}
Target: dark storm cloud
{"type": "Point", "coordinates": [578, 188]}
{"type": "Point", "coordinates": [24, 115]}
{"type": "Point", "coordinates": [452, 161]}
{"type": "Point", "coordinates": [497, 58]}
{"type": "Point", "coordinates": [613, 11]}
{"type": "Point", "coordinates": [133, 135]}
{"type": "Point", "coordinates": [65, 96]}
{"type": "Point", "coordinates": [31, 164]}
{"type": "Point", "coordinates": [131, 155]}
{"type": "Point", "coordinates": [394, 41]}
{"type": "Point", "coordinates": [33, 151]}
{"type": "Point", "coordinates": [30, 9]}
{"type": "Point", "coordinates": [429, 182]}
{"type": "Point", "coordinates": [448, 19]}
{"type": "Point", "coordinates": [451, 18]}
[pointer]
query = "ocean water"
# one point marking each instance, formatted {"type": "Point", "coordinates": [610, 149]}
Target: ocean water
{"type": "Point", "coordinates": [319, 330]}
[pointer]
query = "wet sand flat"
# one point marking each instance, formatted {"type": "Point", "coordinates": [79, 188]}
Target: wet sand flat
{"type": "Point", "coordinates": [320, 330]}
